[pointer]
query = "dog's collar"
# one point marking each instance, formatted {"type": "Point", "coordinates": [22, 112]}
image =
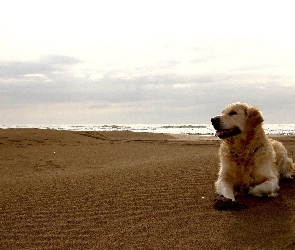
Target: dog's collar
{"type": "Point", "coordinates": [251, 152]}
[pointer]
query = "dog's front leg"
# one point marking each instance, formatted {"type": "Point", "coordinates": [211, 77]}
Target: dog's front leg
{"type": "Point", "coordinates": [225, 189]}
{"type": "Point", "coordinates": [268, 188]}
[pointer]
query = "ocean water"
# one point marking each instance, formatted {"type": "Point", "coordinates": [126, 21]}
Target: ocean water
{"type": "Point", "coordinates": [192, 129]}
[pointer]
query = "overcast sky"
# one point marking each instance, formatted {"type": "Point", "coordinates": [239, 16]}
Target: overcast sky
{"type": "Point", "coordinates": [97, 62]}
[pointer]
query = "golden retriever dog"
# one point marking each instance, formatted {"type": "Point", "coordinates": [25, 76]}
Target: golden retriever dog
{"type": "Point", "coordinates": [249, 161]}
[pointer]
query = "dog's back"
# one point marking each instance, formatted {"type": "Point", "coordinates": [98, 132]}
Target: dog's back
{"type": "Point", "coordinates": [284, 164]}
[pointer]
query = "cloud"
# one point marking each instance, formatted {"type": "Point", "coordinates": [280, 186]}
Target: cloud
{"type": "Point", "coordinates": [141, 97]}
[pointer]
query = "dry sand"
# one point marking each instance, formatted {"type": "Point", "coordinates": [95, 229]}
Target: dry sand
{"type": "Point", "coordinates": [124, 190]}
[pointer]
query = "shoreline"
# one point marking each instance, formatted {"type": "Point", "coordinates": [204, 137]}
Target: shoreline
{"type": "Point", "coordinates": [188, 129]}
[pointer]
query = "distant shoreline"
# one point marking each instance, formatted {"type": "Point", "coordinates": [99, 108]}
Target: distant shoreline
{"type": "Point", "coordinates": [187, 129]}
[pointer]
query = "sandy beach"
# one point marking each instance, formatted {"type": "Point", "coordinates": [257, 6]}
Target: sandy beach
{"type": "Point", "coordinates": [125, 190]}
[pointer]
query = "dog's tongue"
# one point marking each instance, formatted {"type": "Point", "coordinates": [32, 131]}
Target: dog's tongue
{"type": "Point", "coordinates": [219, 133]}
{"type": "Point", "coordinates": [223, 133]}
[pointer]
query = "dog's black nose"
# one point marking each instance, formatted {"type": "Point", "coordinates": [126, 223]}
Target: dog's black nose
{"type": "Point", "coordinates": [215, 120]}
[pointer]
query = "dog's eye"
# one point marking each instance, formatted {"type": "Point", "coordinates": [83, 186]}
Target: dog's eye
{"type": "Point", "coordinates": [233, 113]}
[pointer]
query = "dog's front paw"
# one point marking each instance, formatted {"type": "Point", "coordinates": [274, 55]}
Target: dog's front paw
{"type": "Point", "coordinates": [228, 204]}
{"type": "Point", "coordinates": [254, 191]}
{"type": "Point", "coordinates": [259, 193]}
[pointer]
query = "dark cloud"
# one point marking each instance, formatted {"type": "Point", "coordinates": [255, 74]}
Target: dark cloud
{"type": "Point", "coordinates": [45, 65]}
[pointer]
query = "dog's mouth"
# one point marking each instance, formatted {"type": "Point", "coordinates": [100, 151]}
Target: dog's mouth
{"type": "Point", "coordinates": [226, 133]}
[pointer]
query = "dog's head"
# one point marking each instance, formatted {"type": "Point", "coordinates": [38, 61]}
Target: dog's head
{"type": "Point", "coordinates": [236, 118]}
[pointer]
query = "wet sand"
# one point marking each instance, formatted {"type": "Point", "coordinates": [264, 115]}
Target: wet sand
{"type": "Point", "coordinates": [124, 190]}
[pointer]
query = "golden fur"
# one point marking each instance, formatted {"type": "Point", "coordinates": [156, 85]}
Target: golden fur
{"type": "Point", "coordinates": [249, 161]}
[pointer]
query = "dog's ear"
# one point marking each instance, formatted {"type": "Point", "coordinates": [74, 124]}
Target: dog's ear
{"type": "Point", "coordinates": [254, 117]}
